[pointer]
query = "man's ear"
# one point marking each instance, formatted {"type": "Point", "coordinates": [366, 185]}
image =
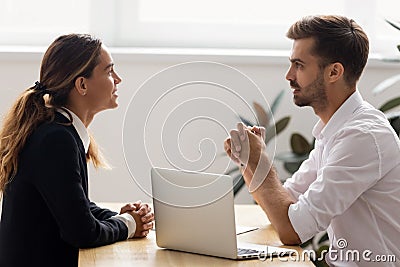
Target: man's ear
{"type": "Point", "coordinates": [80, 85]}
{"type": "Point", "coordinates": [335, 72]}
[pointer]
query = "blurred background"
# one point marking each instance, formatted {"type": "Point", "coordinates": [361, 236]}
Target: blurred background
{"type": "Point", "coordinates": [190, 70]}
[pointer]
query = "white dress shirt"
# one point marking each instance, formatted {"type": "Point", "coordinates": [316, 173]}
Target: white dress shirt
{"type": "Point", "coordinates": [84, 135]}
{"type": "Point", "coordinates": [350, 185]}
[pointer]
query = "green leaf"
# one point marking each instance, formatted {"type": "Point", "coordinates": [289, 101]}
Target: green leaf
{"type": "Point", "coordinates": [277, 101]}
{"type": "Point", "coordinates": [235, 169]}
{"type": "Point", "coordinates": [393, 24]}
{"type": "Point", "coordinates": [262, 115]}
{"type": "Point", "coordinates": [299, 144]}
{"type": "Point", "coordinates": [282, 124]}
{"type": "Point", "coordinates": [323, 238]}
{"type": "Point", "coordinates": [385, 84]}
{"type": "Point", "coordinates": [245, 121]}
{"type": "Point", "coordinates": [271, 131]}
{"type": "Point", "coordinates": [394, 120]}
{"type": "Point", "coordinates": [322, 262]}
{"type": "Point", "coordinates": [291, 161]}
{"type": "Point", "coordinates": [306, 244]}
{"type": "Point", "coordinates": [390, 104]}
{"type": "Point", "coordinates": [238, 183]}
{"type": "Point", "coordinates": [291, 157]}
{"type": "Point", "coordinates": [291, 167]}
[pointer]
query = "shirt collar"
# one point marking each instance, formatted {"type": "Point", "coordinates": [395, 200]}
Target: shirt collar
{"type": "Point", "coordinates": [338, 118]}
{"type": "Point", "coordinates": [79, 127]}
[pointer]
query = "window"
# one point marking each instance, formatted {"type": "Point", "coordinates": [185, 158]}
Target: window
{"type": "Point", "coordinates": [254, 24]}
{"type": "Point", "coordinates": [209, 23]}
{"type": "Point", "coordinates": [24, 22]}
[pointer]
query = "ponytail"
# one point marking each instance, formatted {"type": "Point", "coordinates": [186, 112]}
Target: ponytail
{"type": "Point", "coordinates": [95, 155]}
{"type": "Point", "coordinates": [27, 113]}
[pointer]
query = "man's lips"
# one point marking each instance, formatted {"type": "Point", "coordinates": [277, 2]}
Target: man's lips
{"type": "Point", "coordinates": [296, 90]}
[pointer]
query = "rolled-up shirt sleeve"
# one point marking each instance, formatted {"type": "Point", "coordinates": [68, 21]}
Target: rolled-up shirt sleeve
{"type": "Point", "coordinates": [349, 165]}
{"type": "Point", "coordinates": [301, 180]}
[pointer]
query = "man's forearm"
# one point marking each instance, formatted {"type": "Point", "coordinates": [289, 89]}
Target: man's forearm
{"type": "Point", "coordinates": [274, 200]}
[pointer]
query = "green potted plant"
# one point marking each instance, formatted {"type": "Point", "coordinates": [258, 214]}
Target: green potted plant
{"type": "Point", "coordinates": [396, 25]}
{"type": "Point", "coordinates": [393, 117]}
{"type": "Point", "coordinates": [300, 149]}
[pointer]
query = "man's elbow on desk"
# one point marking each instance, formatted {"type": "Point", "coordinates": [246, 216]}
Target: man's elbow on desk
{"type": "Point", "coordinates": [279, 217]}
{"type": "Point", "coordinates": [290, 239]}
{"type": "Point", "coordinates": [287, 235]}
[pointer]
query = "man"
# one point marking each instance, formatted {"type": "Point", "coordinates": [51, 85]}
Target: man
{"type": "Point", "coordinates": [350, 184]}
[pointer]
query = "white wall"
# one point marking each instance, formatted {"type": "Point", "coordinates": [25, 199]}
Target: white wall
{"type": "Point", "coordinates": [18, 71]}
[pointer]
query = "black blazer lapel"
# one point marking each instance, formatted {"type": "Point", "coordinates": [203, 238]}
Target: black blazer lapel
{"type": "Point", "coordinates": [83, 163]}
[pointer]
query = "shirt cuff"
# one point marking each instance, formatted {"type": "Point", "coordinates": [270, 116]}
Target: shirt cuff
{"type": "Point", "coordinates": [302, 221]}
{"type": "Point", "coordinates": [129, 221]}
{"type": "Point", "coordinates": [292, 193]}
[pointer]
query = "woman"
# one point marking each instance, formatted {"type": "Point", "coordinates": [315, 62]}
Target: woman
{"type": "Point", "coordinates": [44, 148]}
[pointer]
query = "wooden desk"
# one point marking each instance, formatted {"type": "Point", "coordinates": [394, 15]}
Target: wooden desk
{"type": "Point", "coordinates": [144, 252]}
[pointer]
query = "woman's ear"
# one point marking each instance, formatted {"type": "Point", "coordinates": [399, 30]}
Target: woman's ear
{"type": "Point", "coordinates": [335, 72]}
{"type": "Point", "coordinates": [80, 86]}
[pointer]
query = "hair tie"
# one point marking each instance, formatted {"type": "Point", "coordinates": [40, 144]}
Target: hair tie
{"type": "Point", "coordinates": [39, 86]}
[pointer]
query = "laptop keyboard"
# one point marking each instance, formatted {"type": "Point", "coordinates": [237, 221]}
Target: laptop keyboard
{"type": "Point", "coordinates": [243, 251]}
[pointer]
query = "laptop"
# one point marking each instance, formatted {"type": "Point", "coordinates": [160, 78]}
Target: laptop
{"type": "Point", "coordinates": [194, 212]}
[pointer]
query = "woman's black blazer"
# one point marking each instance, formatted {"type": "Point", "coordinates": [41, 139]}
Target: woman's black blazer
{"type": "Point", "coordinates": [47, 215]}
